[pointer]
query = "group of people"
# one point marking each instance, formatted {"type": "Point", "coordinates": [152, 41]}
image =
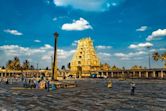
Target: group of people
{"type": "Point", "coordinates": [8, 80]}
{"type": "Point", "coordinates": [132, 87]}
{"type": "Point", "coordinates": [29, 83]}
{"type": "Point", "coordinates": [38, 83]}
{"type": "Point", "coordinates": [43, 83]}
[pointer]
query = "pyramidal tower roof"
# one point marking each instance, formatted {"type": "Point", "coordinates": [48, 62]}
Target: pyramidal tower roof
{"type": "Point", "coordinates": [85, 56]}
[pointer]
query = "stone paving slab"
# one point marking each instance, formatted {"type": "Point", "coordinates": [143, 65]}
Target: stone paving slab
{"type": "Point", "coordinates": [90, 95]}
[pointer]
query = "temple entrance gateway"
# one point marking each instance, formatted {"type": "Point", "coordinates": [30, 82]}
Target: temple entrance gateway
{"type": "Point", "coordinates": [85, 59]}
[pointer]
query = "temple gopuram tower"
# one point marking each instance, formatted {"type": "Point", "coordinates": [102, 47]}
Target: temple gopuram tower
{"type": "Point", "coordinates": [85, 59]}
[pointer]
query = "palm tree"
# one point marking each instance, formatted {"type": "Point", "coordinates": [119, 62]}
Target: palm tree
{"type": "Point", "coordinates": [26, 65]}
{"type": "Point", "coordinates": [16, 63]}
{"type": "Point", "coordinates": [114, 68]}
{"type": "Point", "coordinates": [32, 67]}
{"type": "Point", "coordinates": [9, 64]}
{"type": "Point", "coordinates": [3, 67]}
{"type": "Point", "coordinates": [156, 56]}
{"type": "Point", "coordinates": [47, 68]}
{"type": "Point", "coordinates": [105, 67]}
{"type": "Point", "coordinates": [136, 67]}
{"type": "Point", "coordinates": [163, 58]}
{"type": "Point", "coordinates": [123, 68]}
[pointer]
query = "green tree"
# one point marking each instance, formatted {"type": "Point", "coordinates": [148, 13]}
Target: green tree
{"type": "Point", "coordinates": [123, 68]}
{"type": "Point", "coordinates": [13, 64]}
{"type": "Point", "coordinates": [136, 67]}
{"type": "Point", "coordinates": [9, 65]}
{"type": "Point", "coordinates": [16, 63]}
{"type": "Point", "coordinates": [26, 65]}
{"type": "Point", "coordinates": [114, 68]}
{"type": "Point", "coordinates": [3, 67]}
{"type": "Point", "coordinates": [32, 67]}
{"type": "Point", "coordinates": [162, 57]}
{"type": "Point", "coordinates": [47, 68]}
{"type": "Point", "coordinates": [156, 56]}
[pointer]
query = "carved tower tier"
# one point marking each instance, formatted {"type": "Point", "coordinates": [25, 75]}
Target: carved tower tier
{"type": "Point", "coordinates": [85, 59]}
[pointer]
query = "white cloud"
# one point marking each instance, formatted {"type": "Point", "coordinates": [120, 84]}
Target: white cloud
{"type": "Point", "coordinates": [40, 55]}
{"type": "Point", "coordinates": [158, 50]}
{"type": "Point", "coordinates": [47, 1]}
{"type": "Point", "coordinates": [85, 5]}
{"type": "Point", "coordinates": [75, 43]}
{"type": "Point", "coordinates": [131, 55]}
{"type": "Point", "coordinates": [142, 28]}
{"type": "Point", "coordinates": [78, 25]}
{"type": "Point", "coordinates": [46, 57]}
{"type": "Point", "coordinates": [120, 55]}
{"type": "Point", "coordinates": [13, 32]}
{"type": "Point", "coordinates": [38, 41]}
{"type": "Point", "coordinates": [103, 47]}
{"type": "Point", "coordinates": [55, 19]}
{"type": "Point", "coordinates": [162, 49]}
{"type": "Point", "coordinates": [62, 54]}
{"type": "Point", "coordinates": [157, 34]}
{"type": "Point", "coordinates": [16, 50]}
{"type": "Point", "coordinates": [104, 57]}
{"type": "Point", "coordinates": [46, 47]}
{"type": "Point", "coordinates": [153, 50]}
{"type": "Point", "coordinates": [140, 45]}
{"type": "Point", "coordinates": [114, 4]}
{"type": "Point", "coordinates": [104, 54]}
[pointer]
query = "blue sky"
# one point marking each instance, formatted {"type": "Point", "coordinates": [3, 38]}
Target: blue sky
{"type": "Point", "coordinates": [121, 29]}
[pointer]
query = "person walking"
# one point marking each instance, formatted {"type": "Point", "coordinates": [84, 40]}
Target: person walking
{"type": "Point", "coordinates": [53, 87]}
{"type": "Point", "coordinates": [1, 80]}
{"type": "Point", "coordinates": [132, 85]}
{"type": "Point", "coordinates": [31, 83]}
{"type": "Point", "coordinates": [25, 82]}
{"type": "Point", "coordinates": [48, 86]}
{"type": "Point", "coordinates": [37, 84]}
{"type": "Point", "coordinates": [11, 80]}
{"type": "Point", "coordinates": [7, 81]}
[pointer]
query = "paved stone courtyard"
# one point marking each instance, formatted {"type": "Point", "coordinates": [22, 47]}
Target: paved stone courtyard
{"type": "Point", "coordinates": [90, 95]}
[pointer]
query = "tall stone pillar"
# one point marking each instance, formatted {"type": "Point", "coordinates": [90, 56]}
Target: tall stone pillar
{"type": "Point", "coordinates": [112, 74]}
{"type": "Point", "coordinates": [161, 74]}
{"type": "Point", "coordinates": [54, 70]}
{"type": "Point", "coordinates": [134, 75]}
{"type": "Point", "coordinates": [102, 74]}
{"type": "Point", "coordinates": [5, 74]}
{"type": "Point", "coordinates": [122, 74]}
{"type": "Point", "coordinates": [154, 74]}
{"type": "Point", "coordinates": [107, 74]}
{"type": "Point", "coordinates": [146, 74]}
{"type": "Point", "coordinates": [139, 74]}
